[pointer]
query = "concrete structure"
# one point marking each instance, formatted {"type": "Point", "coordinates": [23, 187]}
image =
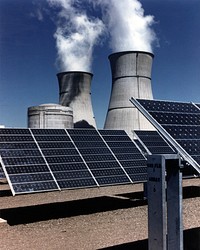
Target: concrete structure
{"type": "Point", "coordinates": [131, 77]}
{"type": "Point", "coordinates": [50, 116]}
{"type": "Point", "coordinates": [74, 91]}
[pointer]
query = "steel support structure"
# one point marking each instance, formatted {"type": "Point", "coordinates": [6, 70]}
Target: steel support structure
{"type": "Point", "coordinates": [164, 189]}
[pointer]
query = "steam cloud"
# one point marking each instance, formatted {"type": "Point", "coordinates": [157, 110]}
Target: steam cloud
{"type": "Point", "coordinates": [129, 28]}
{"type": "Point", "coordinates": [76, 35]}
{"type": "Point", "coordinates": [77, 32]}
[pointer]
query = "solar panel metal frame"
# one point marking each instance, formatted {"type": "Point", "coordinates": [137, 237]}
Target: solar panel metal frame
{"type": "Point", "coordinates": [159, 127]}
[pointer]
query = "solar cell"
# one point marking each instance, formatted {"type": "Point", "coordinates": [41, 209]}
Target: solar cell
{"type": "Point", "coordinates": [63, 158]}
{"type": "Point", "coordinates": [38, 160]}
{"type": "Point", "coordinates": [1, 172]}
{"type": "Point", "coordinates": [22, 161]}
{"type": "Point", "coordinates": [98, 157]}
{"type": "Point", "coordinates": [126, 152]}
{"type": "Point", "coordinates": [178, 122]}
{"type": "Point", "coordinates": [153, 142]}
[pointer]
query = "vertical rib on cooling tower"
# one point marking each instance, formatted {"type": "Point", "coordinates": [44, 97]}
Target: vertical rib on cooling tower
{"type": "Point", "coordinates": [74, 91]}
{"type": "Point", "coordinates": [131, 77]}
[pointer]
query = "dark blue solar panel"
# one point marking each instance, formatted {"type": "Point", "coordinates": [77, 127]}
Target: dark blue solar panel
{"type": "Point", "coordinates": [103, 165]}
{"type": "Point", "coordinates": [59, 151]}
{"type": "Point", "coordinates": [168, 106]}
{"type": "Point", "coordinates": [77, 183]}
{"type": "Point", "coordinates": [27, 169]}
{"type": "Point", "coordinates": [16, 138]}
{"type": "Point", "coordinates": [14, 131]}
{"type": "Point", "coordinates": [2, 175]}
{"type": "Point", "coordinates": [16, 145]}
{"type": "Point", "coordinates": [54, 145]}
{"type": "Point", "coordinates": [48, 131]}
{"type": "Point", "coordinates": [113, 180]}
{"type": "Point", "coordinates": [112, 132]}
{"type": "Point", "coordinates": [67, 166]}
{"type": "Point", "coordinates": [154, 143]}
{"type": "Point", "coordinates": [50, 159]}
{"type": "Point", "coordinates": [19, 153]}
{"type": "Point", "coordinates": [34, 187]}
{"type": "Point", "coordinates": [16, 178]}
{"type": "Point", "coordinates": [125, 150]}
{"type": "Point", "coordinates": [94, 151]}
{"type": "Point", "coordinates": [53, 138]}
{"type": "Point", "coordinates": [85, 132]}
{"type": "Point", "coordinates": [98, 156]}
{"type": "Point", "coordinates": [177, 120]}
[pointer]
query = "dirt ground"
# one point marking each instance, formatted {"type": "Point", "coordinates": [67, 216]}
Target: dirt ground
{"type": "Point", "coordinates": [96, 230]}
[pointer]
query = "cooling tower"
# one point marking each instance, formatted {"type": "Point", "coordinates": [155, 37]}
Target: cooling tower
{"type": "Point", "coordinates": [74, 91]}
{"type": "Point", "coordinates": [131, 77]}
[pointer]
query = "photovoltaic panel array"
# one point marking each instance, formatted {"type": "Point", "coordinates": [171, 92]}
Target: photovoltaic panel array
{"type": "Point", "coordinates": [38, 160]}
{"type": "Point", "coordinates": [153, 142]}
{"type": "Point", "coordinates": [24, 166]}
{"type": "Point", "coordinates": [178, 122]}
{"type": "Point", "coordinates": [127, 154]}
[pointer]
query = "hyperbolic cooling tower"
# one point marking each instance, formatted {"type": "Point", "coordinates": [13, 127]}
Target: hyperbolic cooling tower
{"type": "Point", "coordinates": [131, 77]}
{"type": "Point", "coordinates": [74, 91]}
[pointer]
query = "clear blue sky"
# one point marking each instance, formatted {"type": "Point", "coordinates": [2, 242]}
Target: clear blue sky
{"type": "Point", "coordinates": [28, 54]}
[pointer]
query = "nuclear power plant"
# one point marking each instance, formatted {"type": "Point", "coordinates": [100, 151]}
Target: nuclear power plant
{"type": "Point", "coordinates": [50, 116]}
{"type": "Point", "coordinates": [75, 92]}
{"type": "Point", "coordinates": [131, 77]}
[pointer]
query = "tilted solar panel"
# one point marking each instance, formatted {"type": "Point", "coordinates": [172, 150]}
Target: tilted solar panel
{"type": "Point", "coordinates": [100, 159]}
{"type": "Point", "coordinates": [178, 122]}
{"type": "Point", "coordinates": [127, 153]}
{"type": "Point", "coordinates": [26, 169]}
{"type": "Point", "coordinates": [1, 172]}
{"type": "Point", "coordinates": [38, 160]}
{"type": "Point", "coordinates": [153, 142]}
{"type": "Point", "coordinates": [63, 158]}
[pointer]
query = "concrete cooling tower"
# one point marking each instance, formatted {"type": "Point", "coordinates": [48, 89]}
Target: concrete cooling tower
{"type": "Point", "coordinates": [74, 92]}
{"type": "Point", "coordinates": [131, 77]}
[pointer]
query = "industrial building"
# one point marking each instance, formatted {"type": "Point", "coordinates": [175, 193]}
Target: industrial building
{"type": "Point", "coordinates": [131, 77]}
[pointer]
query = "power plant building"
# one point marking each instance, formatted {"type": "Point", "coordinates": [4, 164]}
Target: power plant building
{"type": "Point", "coordinates": [131, 77]}
{"type": "Point", "coordinates": [50, 116]}
{"type": "Point", "coordinates": [75, 92]}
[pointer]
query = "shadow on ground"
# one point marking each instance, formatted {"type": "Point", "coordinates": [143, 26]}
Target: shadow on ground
{"type": "Point", "coordinates": [191, 242]}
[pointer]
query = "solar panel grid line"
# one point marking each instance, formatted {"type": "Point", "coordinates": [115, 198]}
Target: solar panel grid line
{"type": "Point", "coordinates": [93, 177]}
{"type": "Point", "coordinates": [47, 164]}
{"type": "Point", "coordinates": [102, 136]}
{"type": "Point", "coordinates": [145, 106]}
{"type": "Point", "coordinates": [154, 143]}
{"type": "Point", "coordinates": [63, 157]}
{"type": "Point", "coordinates": [93, 157]}
{"type": "Point", "coordinates": [143, 144]}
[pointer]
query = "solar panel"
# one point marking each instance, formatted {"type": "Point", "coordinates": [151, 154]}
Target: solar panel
{"type": "Point", "coordinates": [127, 154]}
{"type": "Point", "coordinates": [25, 168]}
{"type": "Point", "coordinates": [38, 160]}
{"type": "Point", "coordinates": [153, 142]}
{"type": "Point", "coordinates": [178, 122]}
{"type": "Point", "coordinates": [100, 159]}
{"type": "Point", "coordinates": [60, 156]}
{"type": "Point", "coordinates": [2, 175]}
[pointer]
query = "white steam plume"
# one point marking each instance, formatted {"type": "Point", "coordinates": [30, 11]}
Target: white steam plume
{"type": "Point", "coordinates": [76, 35]}
{"type": "Point", "coordinates": [129, 28]}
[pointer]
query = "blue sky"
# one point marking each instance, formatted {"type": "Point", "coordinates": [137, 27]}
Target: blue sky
{"type": "Point", "coordinates": [28, 54]}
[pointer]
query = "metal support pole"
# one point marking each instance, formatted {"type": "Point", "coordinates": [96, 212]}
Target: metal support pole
{"type": "Point", "coordinates": [174, 205]}
{"type": "Point", "coordinates": [164, 215]}
{"type": "Point", "coordinates": [156, 203]}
